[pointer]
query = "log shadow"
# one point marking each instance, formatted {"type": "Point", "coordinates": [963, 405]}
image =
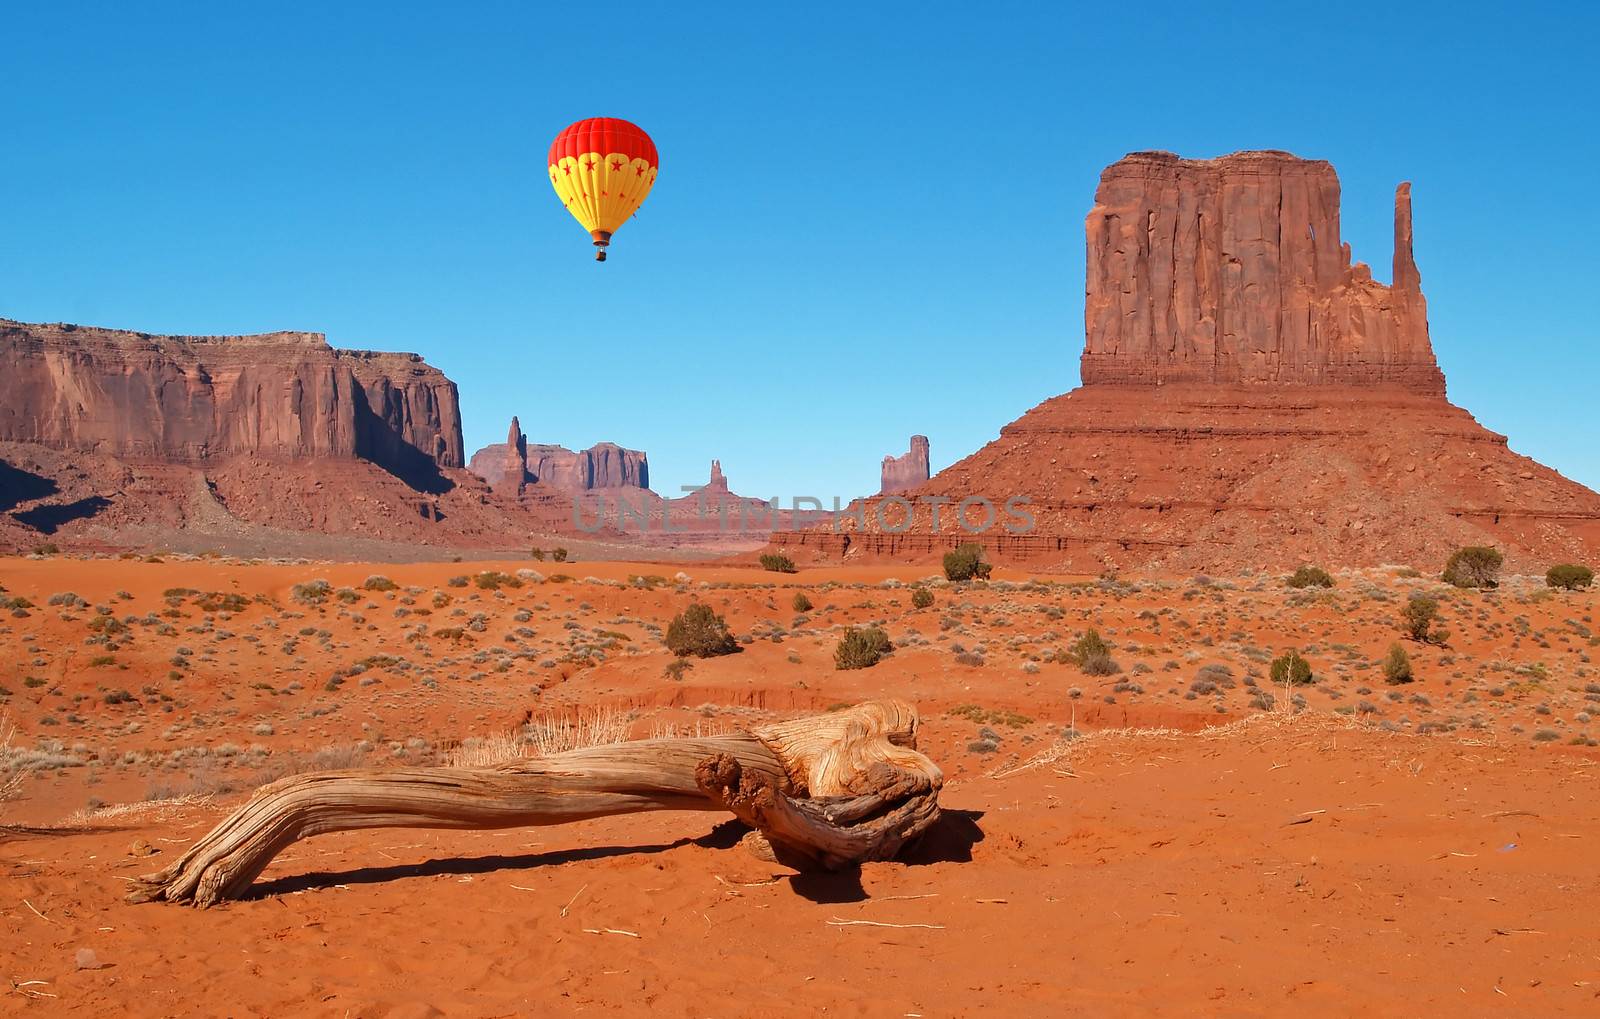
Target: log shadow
{"type": "Point", "coordinates": [950, 840]}
{"type": "Point", "coordinates": [723, 836]}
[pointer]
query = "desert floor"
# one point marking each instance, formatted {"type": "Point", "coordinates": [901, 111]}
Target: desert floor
{"type": "Point", "coordinates": [1180, 838]}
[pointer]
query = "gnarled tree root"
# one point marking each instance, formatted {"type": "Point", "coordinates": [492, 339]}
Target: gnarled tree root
{"type": "Point", "coordinates": [828, 790]}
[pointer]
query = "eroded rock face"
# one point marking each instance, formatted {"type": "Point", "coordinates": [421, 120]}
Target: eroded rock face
{"type": "Point", "coordinates": [603, 465]}
{"type": "Point", "coordinates": [286, 396]}
{"type": "Point", "coordinates": [1231, 270]}
{"type": "Point", "coordinates": [907, 471]}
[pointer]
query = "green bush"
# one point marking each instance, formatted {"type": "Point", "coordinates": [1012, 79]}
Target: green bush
{"type": "Point", "coordinates": [538, 554]}
{"type": "Point", "coordinates": [861, 648]}
{"type": "Point", "coordinates": [775, 563]}
{"type": "Point", "coordinates": [1397, 667]}
{"type": "Point", "coordinates": [921, 598]}
{"type": "Point", "coordinates": [1475, 566]}
{"type": "Point", "coordinates": [801, 603]}
{"type": "Point", "coordinates": [699, 632]}
{"type": "Point", "coordinates": [1417, 619]}
{"type": "Point", "coordinates": [1093, 655]}
{"type": "Point", "coordinates": [1569, 577]}
{"type": "Point", "coordinates": [559, 555]}
{"type": "Point", "coordinates": [1310, 576]}
{"type": "Point", "coordinates": [1291, 668]}
{"type": "Point", "coordinates": [966, 563]}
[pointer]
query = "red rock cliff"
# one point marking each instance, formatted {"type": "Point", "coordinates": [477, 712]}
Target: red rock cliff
{"type": "Point", "coordinates": [285, 396]}
{"type": "Point", "coordinates": [1231, 270]}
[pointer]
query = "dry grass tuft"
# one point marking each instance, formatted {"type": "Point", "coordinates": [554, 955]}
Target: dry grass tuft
{"type": "Point", "coordinates": [144, 811]}
{"type": "Point", "coordinates": [552, 734]}
{"type": "Point", "coordinates": [10, 769]}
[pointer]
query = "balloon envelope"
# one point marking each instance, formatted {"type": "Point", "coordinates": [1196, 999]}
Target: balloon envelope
{"type": "Point", "coordinates": [602, 169]}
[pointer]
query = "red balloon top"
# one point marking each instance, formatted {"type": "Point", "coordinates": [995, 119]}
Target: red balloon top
{"type": "Point", "coordinates": [604, 135]}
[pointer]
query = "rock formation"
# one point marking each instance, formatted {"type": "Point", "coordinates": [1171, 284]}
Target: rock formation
{"type": "Point", "coordinates": [514, 472]}
{"type": "Point", "coordinates": [285, 396]}
{"type": "Point", "coordinates": [908, 471]}
{"type": "Point", "coordinates": [1251, 398]}
{"type": "Point", "coordinates": [1231, 270]}
{"type": "Point", "coordinates": [718, 483]}
{"type": "Point", "coordinates": [604, 465]}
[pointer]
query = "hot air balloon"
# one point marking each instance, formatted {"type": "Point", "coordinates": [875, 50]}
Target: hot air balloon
{"type": "Point", "coordinates": [602, 169]}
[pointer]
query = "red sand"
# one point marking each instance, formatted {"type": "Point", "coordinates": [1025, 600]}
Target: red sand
{"type": "Point", "coordinates": [1315, 863]}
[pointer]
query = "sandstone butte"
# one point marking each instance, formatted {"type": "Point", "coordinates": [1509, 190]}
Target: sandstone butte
{"type": "Point", "coordinates": [907, 471]}
{"type": "Point", "coordinates": [1251, 398]}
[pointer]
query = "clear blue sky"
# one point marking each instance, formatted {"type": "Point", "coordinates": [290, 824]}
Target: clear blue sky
{"type": "Point", "coordinates": [869, 219]}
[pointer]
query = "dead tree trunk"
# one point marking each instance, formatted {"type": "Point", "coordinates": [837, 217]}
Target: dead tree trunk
{"type": "Point", "coordinates": [828, 790]}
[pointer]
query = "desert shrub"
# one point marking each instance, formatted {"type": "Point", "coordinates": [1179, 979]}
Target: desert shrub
{"type": "Point", "coordinates": [676, 668]}
{"type": "Point", "coordinates": [775, 563]}
{"type": "Point", "coordinates": [1397, 666]}
{"type": "Point", "coordinates": [218, 601]}
{"type": "Point", "coordinates": [1310, 576]}
{"type": "Point", "coordinates": [312, 592]}
{"type": "Point", "coordinates": [700, 632]}
{"type": "Point", "coordinates": [1474, 566]}
{"type": "Point", "coordinates": [456, 582]}
{"type": "Point", "coordinates": [538, 554]}
{"type": "Point", "coordinates": [921, 598]}
{"type": "Point", "coordinates": [966, 563]}
{"type": "Point", "coordinates": [494, 580]}
{"type": "Point", "coordinates": [1418, 619]}
{"type": "Point", "coordinates": [1291, 668]}
{"type": "Point", "coordinates": [801, 603]}
{"type": "Point", "coordinates": [378, 582]}
{"type": "Point", "coordinates": [1093, 655]}
{"type": "Point", "coordinates": [1569, 577]}
{"type": "Point", "coordinates": [559, 555]}
{"type": "Point", "coordinates": [861, 648]}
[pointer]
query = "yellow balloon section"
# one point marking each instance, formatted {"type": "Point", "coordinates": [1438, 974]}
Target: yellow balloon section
{"type": "Point", "coordinates": [601, 192]}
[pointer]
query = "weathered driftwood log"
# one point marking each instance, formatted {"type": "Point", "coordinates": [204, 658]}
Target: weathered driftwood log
{"type": "Point", "coordinates": [827, 790]}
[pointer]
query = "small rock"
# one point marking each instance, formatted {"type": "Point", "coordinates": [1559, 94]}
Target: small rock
{"type": "Point", "coordinates": [88, 960]}
{"type": "Point", "coordinates": [142, 848]}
